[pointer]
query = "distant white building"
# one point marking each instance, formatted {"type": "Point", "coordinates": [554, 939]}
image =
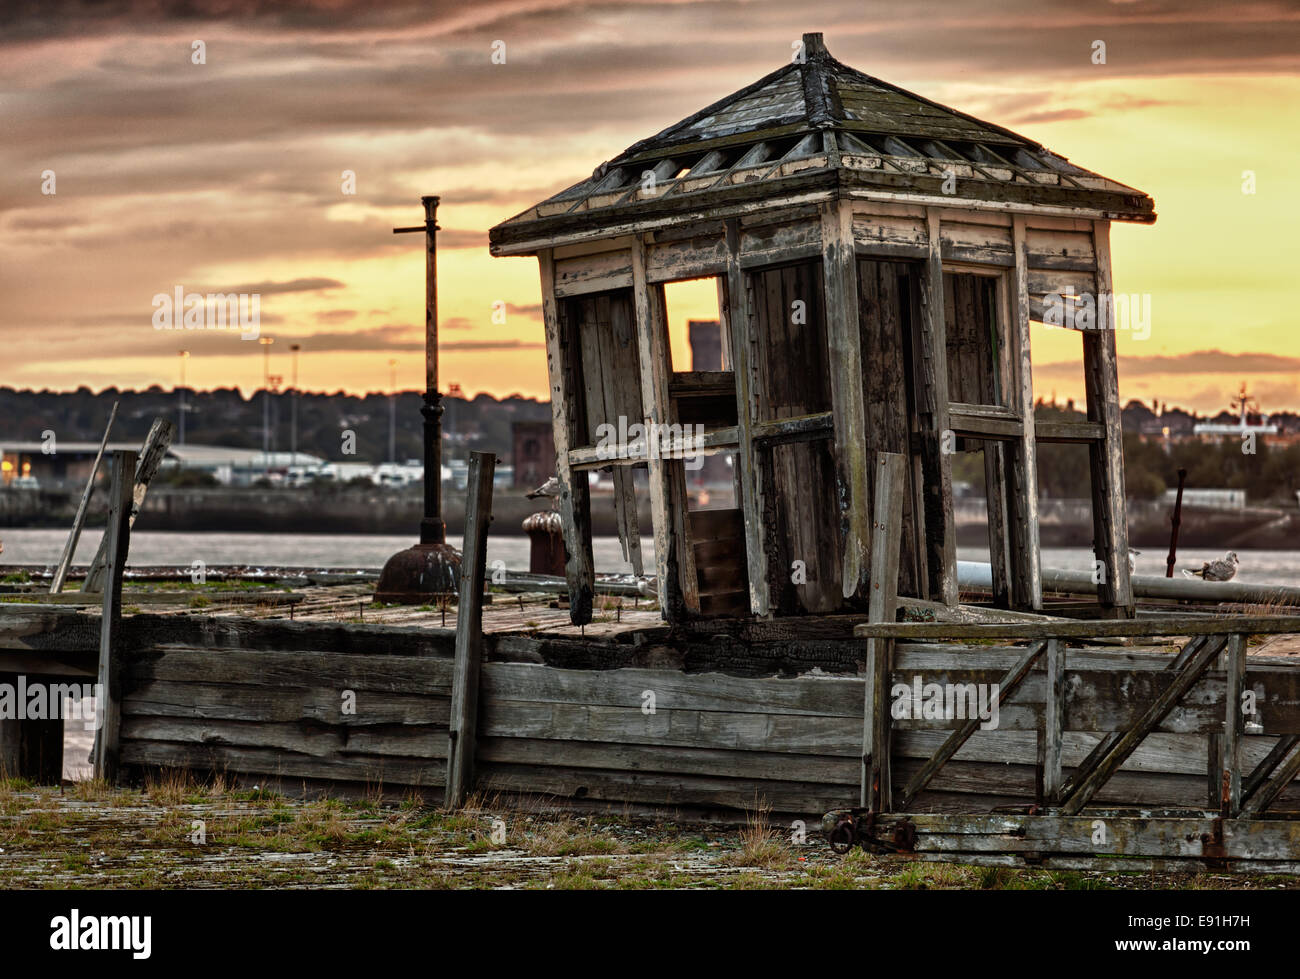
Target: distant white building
{"type": "Point", "coordinates": [1221, 499]}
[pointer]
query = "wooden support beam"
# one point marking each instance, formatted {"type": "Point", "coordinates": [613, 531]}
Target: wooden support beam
{"type": "Point", "coordinates": [575, 495]}
{"type": "Point", "coordinates": [149, 459]}
{"type": "Point", "coordinates": [70, 548]}
{"type": "Point", "coordinates": [740, 322]}
{"type": "Point", "coordinates": [995, 497]}
{"type": "Point", "coordinates": [844, 343]}
{"type": "Point", "coordinates": [1088, 782]}
{"type": "Point", "coordinates": [1234, 657]}
{"type": "Point", "coordinates": [886, 543]}
{"type": "Point", "coordinates": [930, 361]}
{"type": "Point", "coordinates": [1021, 459]}
{"type": "Point", "coordinates": [952, 744]}
{"type": "Point", "coordinates": [1106, 459]}
{"type": "Point", "coordinates": [677, 584]}
{"type": "Point", "coordinates": [117, 540]}
{"type": "Point", "coordinates": [1052, 735]}
{"type": "Point", "coordinates": [463, 734]}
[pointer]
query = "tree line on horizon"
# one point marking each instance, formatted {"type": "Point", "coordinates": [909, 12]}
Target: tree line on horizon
{"type": "Point", "coordinates": [225, 417]}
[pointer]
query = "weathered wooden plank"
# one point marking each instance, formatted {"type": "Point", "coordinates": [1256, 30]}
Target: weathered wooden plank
{"type": "Point", "coordinates": [74, 535]}
{"type": "Point", "coordinates": [875, 788]}
{"type": "Point", "coordinates": [979, 244]}
{"type": "Point", "coordinates": [931, 366]}
{"type": "Point", "coordinates": [1052, 734]}
{"type": "Point", "coordinates": [1021, 459]}
{"type": "Point", "coordinates": [669, 760]}
{"type": "Point", "coordinates": [771, 244]}
{"type": "Point", "coordinates": [330, 702]}
{"type": "Point", "coordinates": [673, 690]}
{"type": "Point", "coordinates": [318, 740]}
{"type": "Point", "coordinates": [801, 734]}
{"type": "Point", "coordinates": [117, 540]}
{"type": "Point", "coordinates": [599, 272]}
{"type": "Point", "coordinates": [1083, 629]}
{"type": "Point", "coordinates": [740, 323]}
{"type": "Point", "coordinates": [667, 261]}
{"type": "Point", "coordinates": [1064, 250]}
{"type": "Point", "coordinates": [1058, 431]}
{"type": "Point", "coordinates": [372, 769]}
{"type": "Point", "coordinates": [654, 360]}
{"type": "Point", "coordinates": [1234, 666]}
{"type": "Point", "coordinates": [382, 674]}
{"type": "Point", "coordinates": [575, 494]}
{"type": "Point", "coordinates": [893, 235]}
{"type": "Point", "coordinates": [1193, 837]}
{"type": "Point", "coordinates": [1106, 459]}
{"type": "Point", "coordinates": [463, 733]}
{"type": "Point", "coordinates": [147, 462]}
{"type": "Point", "coordinates": [843, 337]}
{"type": "Point", "coordinates": [806, 798]}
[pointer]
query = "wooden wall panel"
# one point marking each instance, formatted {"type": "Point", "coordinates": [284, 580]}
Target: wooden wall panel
{"type": "Point", "coordinates": [800, 494]}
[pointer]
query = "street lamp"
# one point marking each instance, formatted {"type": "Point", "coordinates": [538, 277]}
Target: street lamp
{"type": "Point", "coordinates": [430, 567]}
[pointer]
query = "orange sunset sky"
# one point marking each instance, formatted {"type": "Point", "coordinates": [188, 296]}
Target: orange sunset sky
{"type": "Point", "coordinates": [227, 176]}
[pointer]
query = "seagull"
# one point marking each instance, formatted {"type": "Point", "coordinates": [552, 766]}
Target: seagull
{"type": "Point", "coordinates": [549, 488]}
{"type": "Point", "coordinates": [1222, 570]}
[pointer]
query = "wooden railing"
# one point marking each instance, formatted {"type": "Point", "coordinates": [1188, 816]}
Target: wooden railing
{"type": "Point", "coordinates": [1123, 697]}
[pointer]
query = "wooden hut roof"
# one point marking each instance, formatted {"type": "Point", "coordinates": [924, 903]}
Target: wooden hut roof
{"type": "Point", "coordinates": [810, 125]}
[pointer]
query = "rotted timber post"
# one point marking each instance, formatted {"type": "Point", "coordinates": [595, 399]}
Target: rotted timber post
{"type": "Point", "coordinates": [1234, 662]}
{"type": "Point", "coordinates": [575, 495]}
{"type": "Point", "coordinates": [931, 367]}
{"type": "Point", "coordinates": [1051, 737]}
{"type": "Point", "coordinates": [117, 542]}
{"type": "Point", "coordinates": [886, 541]}
{"type": "Point", "coordinates": [462, 737]}
{"type": "Point", "coordinates": [844, 339]}
{"type": "Point", "coordinates": [147, 463]}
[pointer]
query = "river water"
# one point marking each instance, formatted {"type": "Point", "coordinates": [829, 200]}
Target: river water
{"type": "Point", "coordinates": [358, 551]}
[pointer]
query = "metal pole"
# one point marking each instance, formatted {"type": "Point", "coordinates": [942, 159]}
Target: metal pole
{"type": "Point", "coordinates": [1176, 523]}
{"type": "Point", "coordinates": [432, 529]}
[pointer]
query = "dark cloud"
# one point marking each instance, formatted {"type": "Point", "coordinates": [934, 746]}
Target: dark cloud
{"type": "Point", "coordinates": [1198, 362]}
{"type": "Point", "coordinates": [274, 288]}
{"type": "Point", "coordinates": [335, 315]}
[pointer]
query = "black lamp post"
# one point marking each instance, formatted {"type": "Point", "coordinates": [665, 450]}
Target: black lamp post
{"type": "Point", "coordinates": [430, 567]}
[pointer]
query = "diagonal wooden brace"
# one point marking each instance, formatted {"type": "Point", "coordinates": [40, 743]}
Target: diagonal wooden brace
{"type": "Point", "coordinates": [1088, 781]}
{"type": "Point", "coordinates": [1111, 738]}
{"type": "Point", "coordinates": [960, 736]}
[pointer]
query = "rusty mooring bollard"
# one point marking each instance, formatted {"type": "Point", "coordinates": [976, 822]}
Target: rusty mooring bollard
{"type": "Point", "coordinates": [546, 540]}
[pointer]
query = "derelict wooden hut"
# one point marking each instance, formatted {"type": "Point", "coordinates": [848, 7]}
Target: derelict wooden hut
{"type": "Point", "coordinates": [879, 259]}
